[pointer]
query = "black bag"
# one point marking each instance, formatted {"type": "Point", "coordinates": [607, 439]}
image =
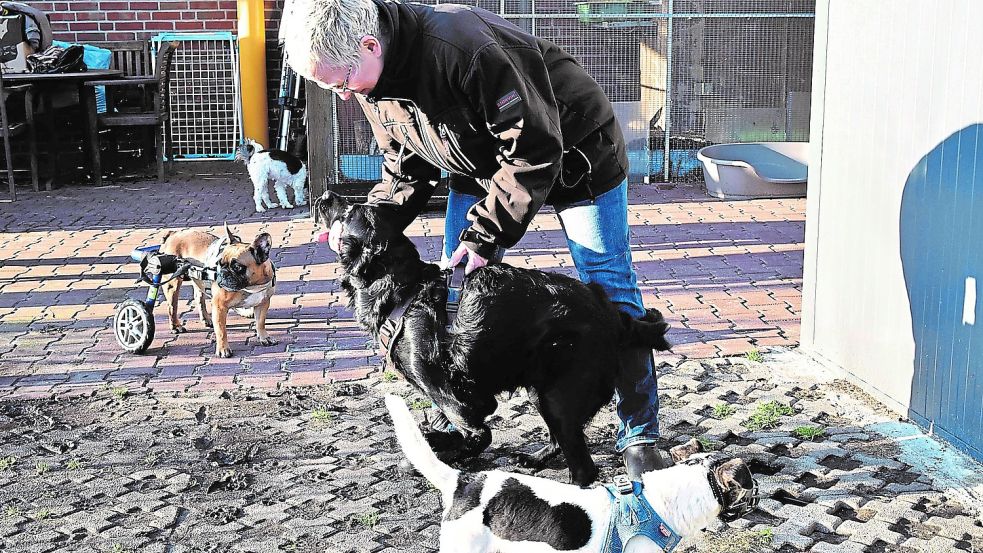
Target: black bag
{"type": "Point", "coordinates": [56, 59]}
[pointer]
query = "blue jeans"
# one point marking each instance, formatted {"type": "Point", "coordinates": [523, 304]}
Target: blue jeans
{"type": "Point", "coordinates": [597, 235]}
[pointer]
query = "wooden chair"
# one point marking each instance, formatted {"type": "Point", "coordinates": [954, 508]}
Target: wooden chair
{"type": "Point", "coordinates": [19, 123]}
{"type": "Point", "coordinates": [132, 57]}
{"type": "Point", "coordinates": [151, 108]}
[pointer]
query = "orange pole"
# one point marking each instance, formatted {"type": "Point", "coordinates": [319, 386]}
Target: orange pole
{"type": "Point", "coordinates": [252, 70]}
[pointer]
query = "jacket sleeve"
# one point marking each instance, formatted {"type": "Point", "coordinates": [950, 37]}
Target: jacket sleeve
{"type": "Point", "coordinates": [511, 91]}
{"type": "Point", "coordinates": [407, 180]}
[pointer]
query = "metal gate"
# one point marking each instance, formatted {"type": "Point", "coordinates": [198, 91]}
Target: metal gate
{"type": "Point", "coordinates": [206, 113]}
{"type": "Point", "coordinates": [682, 74]}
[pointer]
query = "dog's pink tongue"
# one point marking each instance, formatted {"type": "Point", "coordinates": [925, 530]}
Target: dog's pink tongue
{"type": "Point", "coordinates": [323, 237]}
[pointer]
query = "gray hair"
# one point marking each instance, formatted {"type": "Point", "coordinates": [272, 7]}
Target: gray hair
{"type": "Point", "coordinates": [328, 31]}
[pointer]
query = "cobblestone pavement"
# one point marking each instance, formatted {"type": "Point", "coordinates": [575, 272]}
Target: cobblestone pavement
{"type": "Point", "coordinates": [315, 468]}
{"type": "Point", "coordinates": [727, 274]}
{"type": "Point", "coordinates": [288, 448]}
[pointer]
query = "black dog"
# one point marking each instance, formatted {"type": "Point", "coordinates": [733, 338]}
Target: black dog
{"type": "Point", "coordinates": [548, 333]}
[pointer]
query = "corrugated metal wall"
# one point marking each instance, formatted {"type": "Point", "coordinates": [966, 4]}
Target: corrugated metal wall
{"type": "Point", "coordinates": [895, 208]}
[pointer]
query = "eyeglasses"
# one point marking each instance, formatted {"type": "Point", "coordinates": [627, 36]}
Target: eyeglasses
{"type": "Point", "coordinates": [344, 85]}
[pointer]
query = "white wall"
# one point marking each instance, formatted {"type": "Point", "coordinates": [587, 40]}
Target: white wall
{"type": "Point", "coordinates": [892, 80]}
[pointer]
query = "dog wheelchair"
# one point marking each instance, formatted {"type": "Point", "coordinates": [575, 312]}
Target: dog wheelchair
{"type": "Point", "coordinates": [133, 323]}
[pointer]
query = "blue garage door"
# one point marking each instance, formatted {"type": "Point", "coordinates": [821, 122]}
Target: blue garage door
{"type": "Point", "coordinates": [942, 254]}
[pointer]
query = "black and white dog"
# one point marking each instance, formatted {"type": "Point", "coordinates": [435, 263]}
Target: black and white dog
{"type": "Point", "coordinates": [556, 337]}
{"type": "Point", "coordinates": [283, 168]}
{"type": "Point", "coordinates": [502, 512]}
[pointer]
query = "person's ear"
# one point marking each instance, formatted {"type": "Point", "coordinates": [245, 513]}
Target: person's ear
{"type": "Point", "coordinates": [372, 45]}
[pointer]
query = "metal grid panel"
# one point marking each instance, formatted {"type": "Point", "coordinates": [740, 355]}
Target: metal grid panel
{"type": "Point", "coordinates": [741, 71]}
{"type": "Point", "coordinates": [204, 93]}
{"type": "Point", "coordinates": [777, 7]}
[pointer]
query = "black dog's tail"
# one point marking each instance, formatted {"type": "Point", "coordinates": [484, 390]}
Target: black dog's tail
{"type": "Point", "coordinates": [649, 331]}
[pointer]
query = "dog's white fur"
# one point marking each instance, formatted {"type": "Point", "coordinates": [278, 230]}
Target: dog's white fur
{"type": "Point", "coordinates": [262, 168]}
{"type": "Point", "coordinates": [681, 495]}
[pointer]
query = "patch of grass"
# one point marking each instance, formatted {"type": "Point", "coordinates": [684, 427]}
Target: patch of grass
{"type": "Point", "coordinates": [120, 392]}
{"type": "Point", "coordinates": [11, 511]}
{"type": "Point", "coordinates": [767, 415]}
{"type": "Point", "coordinates": [810, 432]}
{"type": "Point", "coordinates": [708, 444]}
{"type": "Point", "coordinates": [420, 404]}
{"type": "Point", "coordinates": [737, 541]}
{"type": "Point", "coordinates": [150, 459]}
{"type": "Point", "coordinates": [7, 463]}
{"type": "Point", "coordinates": [754, 356]}
{"type": "Point", "coordinates": [722, 410]}
{"type": "Point", "coordinates": [390, 376]}
{"type": "Point", "coordinates": [41, 467]}
{"type": "Point", "coordinates": [41, 514]}
{"type": "Point", "coordinates": [119, 548]}
{"type": "Point", "coordinates": [368, 520]}
{"type": "Point", "coordinates": [322, 415]}
{"type": "Point", "coordinates": [74, 464]}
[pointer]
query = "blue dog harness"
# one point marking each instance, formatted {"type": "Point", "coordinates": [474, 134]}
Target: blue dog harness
{"type": "Point", "coordinates": [632, 515]}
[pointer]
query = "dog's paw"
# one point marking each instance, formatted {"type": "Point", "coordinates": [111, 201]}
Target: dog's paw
{"type": "Point", "coordinates": [288, 206]}
{"type": "Point", "coordinates": [223, 353]}
{"type": "Point", "coordinates": [301, 204]}
{"type": "Point", "coordinates": [179, 329]}
{"type": "Point", "coordinates": [444, 441]}
{"type": "Point", "coordinates": [583, 478]}
{"type": "Point", "coordinates": [260, 209]}
{"type": "Point", "coordinates": [207, 322]}
{"type": "Point", "coordinates": [268, 341]}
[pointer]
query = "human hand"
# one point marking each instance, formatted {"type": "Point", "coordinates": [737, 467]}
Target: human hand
{"type": "Point", "coordinates": [474, 260]}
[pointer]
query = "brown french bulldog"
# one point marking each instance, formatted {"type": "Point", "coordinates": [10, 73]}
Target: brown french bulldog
{"type": "Point", "coordinates": [244, 279]}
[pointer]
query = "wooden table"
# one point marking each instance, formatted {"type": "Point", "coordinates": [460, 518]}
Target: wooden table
{"type": "Point", "coordinates": [49, 83]}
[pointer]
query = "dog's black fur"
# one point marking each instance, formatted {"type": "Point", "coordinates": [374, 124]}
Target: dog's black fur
{"type": "Point", "coordinates": [553, 335]}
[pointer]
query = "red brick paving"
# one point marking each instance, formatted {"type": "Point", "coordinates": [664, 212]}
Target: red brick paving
{"type": "Point", "coordinates": [727, 275]}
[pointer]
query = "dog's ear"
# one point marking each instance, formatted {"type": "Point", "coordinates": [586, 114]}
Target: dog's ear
{"type": "Point", "coordinates": [735, 478]}
{"type": "Point", "coordinates": [261, 248]}
{"type": "Point", "coordinates": [650, 330]}
{"type": "Point", "coordinates": [330, 207]}
{"type": "Point", "coordinates": [366, 267]}
{"type": "Point", "coordinates": [233, 239]}
{"type": "Point", "coordinates": [682, 452]}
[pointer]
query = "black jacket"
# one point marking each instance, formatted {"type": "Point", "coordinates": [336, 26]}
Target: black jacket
{"type": "Point", "coordinates": [465, 91]}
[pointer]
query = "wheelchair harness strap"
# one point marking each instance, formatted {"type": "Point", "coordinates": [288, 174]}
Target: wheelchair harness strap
{"type": "Point", "coordinates": [392, 327]}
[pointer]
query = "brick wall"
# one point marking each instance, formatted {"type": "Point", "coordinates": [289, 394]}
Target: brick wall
{"type": "Point", "coordinates": [81, 21]}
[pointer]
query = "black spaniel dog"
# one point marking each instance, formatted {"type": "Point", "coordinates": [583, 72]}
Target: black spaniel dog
{"type": "Point", "coordinates": [548, 333]}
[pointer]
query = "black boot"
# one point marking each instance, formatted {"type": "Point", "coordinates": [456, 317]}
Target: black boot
{"type": "Point", "coordinates": [642, 458]}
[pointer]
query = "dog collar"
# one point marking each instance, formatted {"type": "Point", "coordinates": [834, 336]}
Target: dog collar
{"type": "Point", "coordinates": [732, 512]}
{"type": "Point", "coordinates": [632, 515]}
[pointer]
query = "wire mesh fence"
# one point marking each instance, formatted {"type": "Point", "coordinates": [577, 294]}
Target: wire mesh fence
{"type": "Point", "coordinates": [205, 118]}
{"type": "Point", "coordinates": [681, 74]}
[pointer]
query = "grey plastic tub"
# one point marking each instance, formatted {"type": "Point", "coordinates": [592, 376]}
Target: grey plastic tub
{"type": "Point", "coordinates": [756, 170]}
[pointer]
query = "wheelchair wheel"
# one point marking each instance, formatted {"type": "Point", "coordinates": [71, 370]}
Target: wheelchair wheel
{"type": "Point", "coordinates": [133, 326]}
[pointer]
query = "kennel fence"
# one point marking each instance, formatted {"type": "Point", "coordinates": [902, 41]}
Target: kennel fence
{"type": "Point", "coordinates": [682, 74]}
{"type": "Point", "coordinates": [206, 112]}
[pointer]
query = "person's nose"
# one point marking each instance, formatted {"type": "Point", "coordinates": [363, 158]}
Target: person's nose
{"type": "Point", "coordinates": [344, 94]}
